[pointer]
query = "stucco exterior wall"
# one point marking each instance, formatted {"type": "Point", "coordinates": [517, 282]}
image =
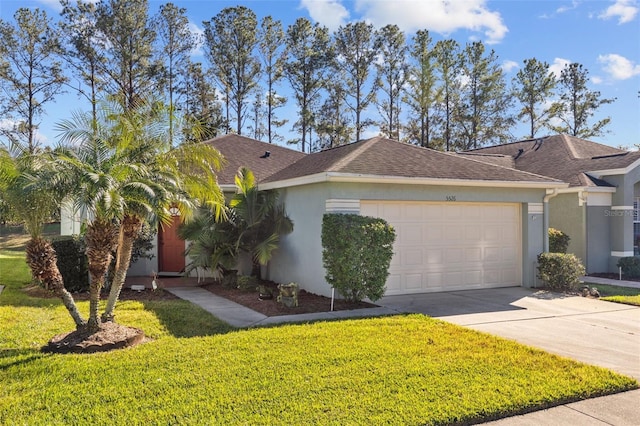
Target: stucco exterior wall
{"type": "Point", "coordinates": [598, 236]}
{"type": "Point", "coordinates": [299, 257]}
{"type": "Point", "coordinates": [532, 242]}
{"type": "Point", "coordinates": [567, 216]}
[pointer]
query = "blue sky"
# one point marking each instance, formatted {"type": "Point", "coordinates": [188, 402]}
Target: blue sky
{"type": "Point", "coordinates": [604, 36]}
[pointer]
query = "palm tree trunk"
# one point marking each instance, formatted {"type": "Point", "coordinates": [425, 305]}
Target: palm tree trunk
{"type": "Point", "coordinates": [41, 258]}
{"type": "Point", "coordinates": [102, 239]}
{"type": "Point", "coordinates": [129, 229]}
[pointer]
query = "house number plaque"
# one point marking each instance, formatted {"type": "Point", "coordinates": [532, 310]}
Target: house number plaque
{"type": "Point", "coordinates": [451, 198]}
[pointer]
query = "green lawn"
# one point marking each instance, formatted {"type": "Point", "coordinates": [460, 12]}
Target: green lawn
{"type": "Point", "coordinates": [614, 293]}
{"type": "Point", "coordinates": [391, 370]}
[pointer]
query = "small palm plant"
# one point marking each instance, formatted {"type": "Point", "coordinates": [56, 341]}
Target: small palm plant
{"type": "Point", "coordinates": [254, 223]}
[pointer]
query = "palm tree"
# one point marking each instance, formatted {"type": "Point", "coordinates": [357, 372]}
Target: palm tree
{"type": "Point", "coordinates": [126, 175]}
{"type": "Point", "coordinates": [27, 184]}
{"type": "Point", "coordinates": [261, 220]}
{"type": "Point", "coordinates": [255, 221]}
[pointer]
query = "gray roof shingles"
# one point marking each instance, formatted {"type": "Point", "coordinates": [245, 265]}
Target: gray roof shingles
{"type": "Point", "coordinates": [239, 151]}
{"type": "Point", "coordinates": [379, 156]}
{"type": "Point", "coordinates": [563, 157]}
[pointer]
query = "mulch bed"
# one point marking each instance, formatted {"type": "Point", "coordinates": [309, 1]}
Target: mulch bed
{"type": "Point", "coordinates": [125, 294]}
{"type": "Point", "coordinates": [307, 302]}
{"type": "Point", "coordinates": [110, 336]}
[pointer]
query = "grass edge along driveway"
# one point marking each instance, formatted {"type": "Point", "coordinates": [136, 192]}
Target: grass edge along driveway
{"type": "Point", "coordinates": [405, 369]}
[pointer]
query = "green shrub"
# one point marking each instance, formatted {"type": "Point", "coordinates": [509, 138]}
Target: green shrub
{"type": "Point", "coordinates": [72, 263]}
{"type": "Point", "coordinates": [356, 254]}
{"type": "Point", "coordinates": [630, 266]}
{"type": "Point", "coordinates": [560, 271]}
{"type": "Point", "coordinates": [247, 282]}
{"type": "Point", "coordinates": [558, 241]}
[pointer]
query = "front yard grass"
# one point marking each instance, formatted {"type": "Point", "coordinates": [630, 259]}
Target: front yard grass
{"type": "Point", "coordinates": [614, 293]}
{"type": "Point", "coordinates": [390, 370]}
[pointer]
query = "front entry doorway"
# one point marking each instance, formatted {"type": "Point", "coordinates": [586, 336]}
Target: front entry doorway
{"type": "Point", "coordinates": [170, 248]}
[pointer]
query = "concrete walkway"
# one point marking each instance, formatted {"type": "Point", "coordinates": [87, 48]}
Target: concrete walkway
{"type": "Point", "coordinates": [588, 330]}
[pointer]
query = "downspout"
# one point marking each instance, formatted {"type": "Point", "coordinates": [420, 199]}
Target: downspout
{"type": "Point", "coordinates": [545, 218]}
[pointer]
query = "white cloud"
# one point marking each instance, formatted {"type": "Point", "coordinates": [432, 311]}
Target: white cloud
{"type": "Point", "coordinates": [10, 125]}
{"type": "Point", "coordinates": [508, 66]}
{"type": "Point", "coordinates": [443, 17]}
{"type": "Point", "coordinates": [330, 13]}
{"type": "Point", "coordinates": [596, 80]}
{"type": "Point", "coordinates": [563, 9]}
{"type": "Point", "coordinates": [624, 10]}
{"type": "Point", "coordinates": [618, 67]}
{"type": "Point", "coordinates": [199, 35]}
{"type": "Point", "coordinates": [55, 4]}
{"type": "Point", "coordinates": [558, 65]}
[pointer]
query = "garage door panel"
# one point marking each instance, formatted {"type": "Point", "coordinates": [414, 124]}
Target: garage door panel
{"type": "Point", "coordinates": [413, 281]}
{"type": "Point", "coordinates": [392, 211]}
{"type": "Point", "coordinates": [473, 254]}
{"type": "Point", "coordinates": [412, 234]}
{"type": "Point", "coordinates": [433, 280]}
{"type": "Point", "coordinates": [451, 246]}
{"type": "Point", "coordinates": [454, 279]}
{"type": "Point", "coordinates": [508, 255]}
{"type": "Point", "coordinates": [473, 278]}
{"type": "Point", "coordinates": [432, 235]}
{"type": "Point", "coordinates": [413, 212]}
{"type": "Point", "coordinates": [412, 257]}
{"type": "Point", "coordinates": [434, 256]}
{"type": "Point", "coordinates": [454, 255]}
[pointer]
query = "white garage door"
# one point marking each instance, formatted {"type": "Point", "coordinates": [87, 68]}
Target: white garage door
{"type": "Point", "coordinates": [451, 246]}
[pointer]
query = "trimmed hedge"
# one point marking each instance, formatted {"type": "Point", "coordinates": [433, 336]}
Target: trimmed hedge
{"type": "Point", "coordinates": [558, 241]}
{"type": "Point", "coordinates": [72, 263]}
{"type": "Point", "coordinates": [560, 271]}
{"type": "Point", "coordinates": [357, 251]}
{"type": "Point", "coordinates": [630, 266]}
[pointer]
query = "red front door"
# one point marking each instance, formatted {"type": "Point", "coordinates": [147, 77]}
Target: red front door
{"type": "Point", "coordinates": [170, 248]}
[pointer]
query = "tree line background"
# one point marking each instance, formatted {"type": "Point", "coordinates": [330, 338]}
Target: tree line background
{"type": "Point", "coordinates": [353, 82]}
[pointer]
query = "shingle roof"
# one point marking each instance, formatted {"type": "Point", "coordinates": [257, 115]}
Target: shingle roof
{"type": "Point", "coordinates": [384, 157]}
{"type": "Point", "coordinates": [562, 157]}
{"type": "Point", "coordinates": [239, 151]}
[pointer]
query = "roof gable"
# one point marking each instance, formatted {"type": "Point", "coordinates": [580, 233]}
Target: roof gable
{"type": "Point", "coordinates": [240, 151]}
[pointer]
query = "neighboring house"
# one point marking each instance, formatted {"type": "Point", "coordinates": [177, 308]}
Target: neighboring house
{"type": "Point", "coordinates": [599, 209]}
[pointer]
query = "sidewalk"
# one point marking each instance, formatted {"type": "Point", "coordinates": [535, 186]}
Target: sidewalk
{"type": "Point", "coordinates": [609, 281]}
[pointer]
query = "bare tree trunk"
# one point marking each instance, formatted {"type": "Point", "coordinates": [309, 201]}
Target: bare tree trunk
{"type": "Point", "coordinates": [102, 239]}
{"type": "Point", "coordinates": [129, 229]}
{"type": "Point", "coordinates": [41, 258]}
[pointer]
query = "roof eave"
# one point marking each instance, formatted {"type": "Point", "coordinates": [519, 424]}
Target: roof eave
{"type": "Point", "coordinates": [364, 178]}
{"type": "Point", "coordinates": [618, 171]}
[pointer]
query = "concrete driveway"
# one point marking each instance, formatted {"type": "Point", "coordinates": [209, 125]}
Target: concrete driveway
{"type": "Point", "coordinates": [589, 330]}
